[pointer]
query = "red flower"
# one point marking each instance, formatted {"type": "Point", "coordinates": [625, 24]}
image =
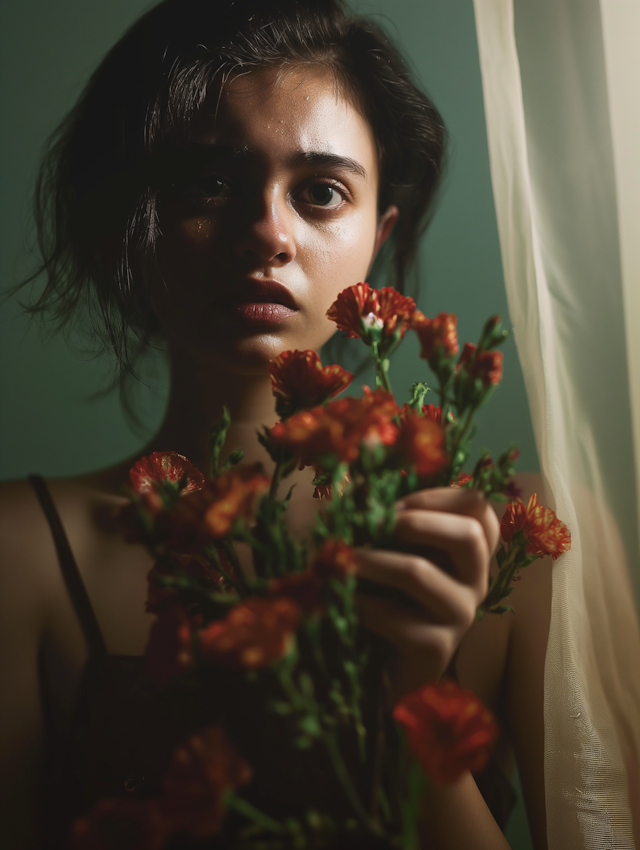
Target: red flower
{"type": "Point", "coordinates": [544, 532]}
{"type": "Point", "coordinates": [252, 635]}
{"type": "Point", "coordinates": [422, 444]}
{"type": "Point", "coordinates": [430, 411]}
{"type": "Point", "coordinates": [449, 729]}
{"type": "Point", "coordinates": [234, 494]}
{"type": "Point", "coordinates": [360, 306]}
{"type": "Point", "coordinates": [305, 589]}
{"type": "Point", "coordinates": [121, 825]}
{"type": "Point", "coordinates": [211, 513]}
{"type": "Point", "coordinates": [334, 560]}
{"type": "Point", "coordinates": [395, 310]}
{"type": "Point", "coordinates": [437, 334]}
{"type": "Point", "coordinates": [201, 772]}
{"type": "Point", "coordinates": [487, 365]}
{"type": "Point", "coordinates": [299, 381]}
{"type": "Point", "coordinates": [338, 429]}
{"type": "Point", "coordinates": [169, 650]}
{"type": "Point", "coordinates": [151, 472]}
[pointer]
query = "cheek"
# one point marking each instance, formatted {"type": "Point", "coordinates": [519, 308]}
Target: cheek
{"type": "Point", "coordinates": [340, 256]}
{"type": "Point", "coordinates": [180, 276]}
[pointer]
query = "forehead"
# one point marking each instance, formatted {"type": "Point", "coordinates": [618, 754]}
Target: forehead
{"type": "Point", "coordinates": [279, 112]}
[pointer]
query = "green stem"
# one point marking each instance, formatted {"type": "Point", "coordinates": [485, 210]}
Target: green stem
{"type": "Point", "coordinates": [502, 582]}
{"type": "Point", "coordinates": [276, 478]}
{"type": "Point", "coordinates": [345, 781]}
{"type": "Point", "coordinates": [382, 373]}
{"type": "Point", "coordinates": [298, 700]}
{"type": "Point", "coordinates": [244, 807]}
{"type": "Point", "coordinates": [230, 551]}
{"type": "Point", "coordinates": [213, 555]}
{"type": "Point", "coordinates": [463, 433]}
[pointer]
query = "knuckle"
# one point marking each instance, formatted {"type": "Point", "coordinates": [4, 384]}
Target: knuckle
{"type": "Point", "coordinates": [462, 608]}
{"type": "Point", "coordinates": [413, 571]}
{"type": "Point", "coordinates": [473, 537]}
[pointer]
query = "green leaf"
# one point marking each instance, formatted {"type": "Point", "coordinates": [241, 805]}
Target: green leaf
{"type": "Point", "coordinates": [217, 437]}
{"type": "Point", "coordinates": [281, 708]}
{"type": "Point", "coordinates": [310, 726]}
{"type": "Point", "coordinates": [418, 392]}
{"type": "Point", "coordinates": [233, 460]}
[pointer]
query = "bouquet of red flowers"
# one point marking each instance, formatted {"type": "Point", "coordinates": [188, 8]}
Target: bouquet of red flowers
{"type": "Point", "coordinates": [301, 747]}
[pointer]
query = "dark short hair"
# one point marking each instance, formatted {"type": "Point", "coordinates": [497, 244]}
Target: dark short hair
{"type": "Point", "coordinates": [96, 199]}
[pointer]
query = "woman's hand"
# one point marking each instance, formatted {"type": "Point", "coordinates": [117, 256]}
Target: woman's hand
{"type": "Point", "coordinates": [455, 528]}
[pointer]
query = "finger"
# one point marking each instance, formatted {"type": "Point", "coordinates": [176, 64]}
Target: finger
{"type": "Point", "coordinates": [457, 501]}
{"type": "Point", "coordinates": [461, 538]}
{"type": "Point", "coordinates": [424, 648]}
{"type": "Point", "coordinates": [443, 599]}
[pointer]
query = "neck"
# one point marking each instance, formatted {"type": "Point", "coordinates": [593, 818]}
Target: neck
{"type": "Point", "coordinates": [197, 396]}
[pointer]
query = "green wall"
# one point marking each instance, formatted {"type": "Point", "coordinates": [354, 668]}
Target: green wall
{"type": "Point", "coordinates": [49, 421]}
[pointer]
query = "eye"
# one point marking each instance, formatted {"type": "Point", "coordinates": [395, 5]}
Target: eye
{"type": "Point", "coordinates": [209, 186]}
{"type": "Point", "coordinates": [202, 187]}
{"type": "Point", "coordinates": [323, 195]}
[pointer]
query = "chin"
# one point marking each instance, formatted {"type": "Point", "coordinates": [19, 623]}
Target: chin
{"type": "Point", "coordinates": [246, 357]}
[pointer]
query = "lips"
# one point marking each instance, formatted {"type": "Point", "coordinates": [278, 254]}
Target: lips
{"type": "Point", "coordinates": [260, 301]}
{"type": "Point", "coordinates": [261, 292]}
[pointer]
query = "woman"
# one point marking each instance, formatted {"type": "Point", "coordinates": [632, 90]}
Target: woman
{"type": "Point", "coordinates": [230, 168]}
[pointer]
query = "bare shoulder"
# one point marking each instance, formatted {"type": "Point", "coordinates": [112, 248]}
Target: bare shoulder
{"type": "Point", "coordinates": [26, 552]}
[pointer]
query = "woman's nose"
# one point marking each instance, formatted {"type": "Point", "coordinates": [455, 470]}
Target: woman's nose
{"type": "Point", "coordinates": [265, 234]}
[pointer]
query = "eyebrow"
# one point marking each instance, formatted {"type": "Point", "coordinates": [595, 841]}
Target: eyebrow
{"type": "Point", "coordinates": [329, 160]}
{"type": "Point", "coordinates": [319, 159]}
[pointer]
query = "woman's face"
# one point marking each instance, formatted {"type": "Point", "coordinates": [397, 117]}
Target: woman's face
{"type": "Point", "coordinates": [274, 215]}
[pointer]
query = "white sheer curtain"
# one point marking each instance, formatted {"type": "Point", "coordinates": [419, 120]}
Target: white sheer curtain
{"type": "Point", "coordinates": [560, 81]}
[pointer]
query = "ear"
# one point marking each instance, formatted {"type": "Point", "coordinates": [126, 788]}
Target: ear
{"type": "Point", "coordinates": [385, 226]}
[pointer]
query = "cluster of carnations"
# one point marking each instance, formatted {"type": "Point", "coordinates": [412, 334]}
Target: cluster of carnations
{"type": "Point", "coordinates": [285, 641]}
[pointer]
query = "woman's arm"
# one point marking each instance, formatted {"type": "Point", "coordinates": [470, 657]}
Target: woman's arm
{"type": "Point", "coordinates": [456, 817]}
{"type": "Point", "coordinates": [531, 600]}
{"type": "Point", "coordinates": [21, 624]}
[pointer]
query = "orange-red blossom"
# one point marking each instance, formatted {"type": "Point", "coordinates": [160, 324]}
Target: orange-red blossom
{"type": "Point", "coordinates": [252, 635]}
{"type": "Point", "coordinates": [300, 380]}
{"type": "Point", "coordinates": [436, 334]}
{"type": "Point", "coordinates": [487, 365]}
{"type": "Point", "coordinates": [449, 729]}
{"type": "Point", "coordinates": [211, 513]}
{"type": "Point", "coordinates": [158, 468]}
{"type": "Point", "coordinates": [335, 559]}
{"type": "Point", "coordinates": [339, 428]}
{"type": "Point", "coordinates": [544, 532]}
{"type": "Point", "coordinates": [384, 308]}
{"type": "Point", "coordinates": [201, 771]}
{"type": "Point", "coordinates": [421, 443]}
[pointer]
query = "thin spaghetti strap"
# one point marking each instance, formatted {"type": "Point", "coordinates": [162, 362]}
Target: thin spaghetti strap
{"type": "Point", "coordinates": [69, 568]}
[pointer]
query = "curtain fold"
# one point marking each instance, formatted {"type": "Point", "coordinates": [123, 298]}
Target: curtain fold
{"type": "Point", "coordinates": [563, 151]}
